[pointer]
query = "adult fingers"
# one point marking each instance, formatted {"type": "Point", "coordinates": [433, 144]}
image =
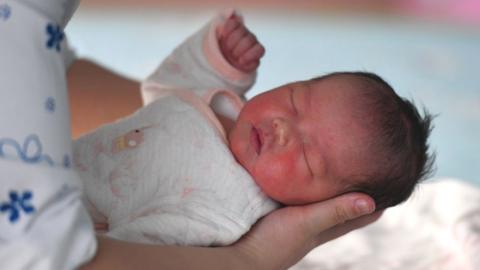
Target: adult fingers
{"type": "Point", "coordinates": [325, 215]}
{"type": "Point", "coordinates": [347, 227]}
{"type": "Point", "coordinates": [284, 236]}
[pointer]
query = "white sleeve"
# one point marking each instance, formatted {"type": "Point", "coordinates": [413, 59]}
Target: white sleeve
{"type": "Point", "coordinates": [43, 224]}
{"type": "Point", "coordinates": [198, 65]}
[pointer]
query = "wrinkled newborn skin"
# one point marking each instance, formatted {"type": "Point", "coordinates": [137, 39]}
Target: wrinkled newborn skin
{"type": "Point", "coordinates": [297, 141]}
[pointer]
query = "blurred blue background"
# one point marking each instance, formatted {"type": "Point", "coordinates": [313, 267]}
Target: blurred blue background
{"type": "Point", "coordinates": [435, 63]}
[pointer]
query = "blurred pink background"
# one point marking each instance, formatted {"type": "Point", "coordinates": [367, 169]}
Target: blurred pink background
{"type": "Point", "coordinates": [456, 11]}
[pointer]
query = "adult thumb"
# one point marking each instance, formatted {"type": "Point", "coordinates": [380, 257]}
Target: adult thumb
{"type": "Point", "coordinates": [325, 215]}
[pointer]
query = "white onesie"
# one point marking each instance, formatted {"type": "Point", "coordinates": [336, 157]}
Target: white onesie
{"type": "Point", "coordinates": [165, 174]}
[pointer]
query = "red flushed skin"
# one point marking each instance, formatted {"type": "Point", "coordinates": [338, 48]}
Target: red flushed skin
{"type": "Point", "coordinates": [305, 138]}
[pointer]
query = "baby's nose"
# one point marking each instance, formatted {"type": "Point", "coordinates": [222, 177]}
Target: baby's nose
{"type": "Point", "coordinates": [281, 130]}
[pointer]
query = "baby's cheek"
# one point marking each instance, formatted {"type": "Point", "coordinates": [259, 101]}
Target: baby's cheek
{"type": "Point", "coordinates": [283, 165]}
{"type": "Point", "coordinates": [276, 174]}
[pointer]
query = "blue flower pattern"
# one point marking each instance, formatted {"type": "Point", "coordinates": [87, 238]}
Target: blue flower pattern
{"type": "Point", "coordinates": [31, 149]}
{"type": "Point", "coordinates": [55, 36]}
{"type": "Point", "coordinates": [67, 163]}
{"type": "Point", "coordinates": [5, 12]}
{"type": "Point", "coordinates": [16, 204]}
{"type": "Point", "coordinates": [20, 203]}
{"type": "Point", "coordinates": [50, 104]}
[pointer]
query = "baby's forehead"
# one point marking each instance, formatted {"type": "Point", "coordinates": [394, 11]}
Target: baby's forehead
{"type": "Point", "coordinates": [337, 91]}
{"type": "Point", "coordinates": [350, 83]}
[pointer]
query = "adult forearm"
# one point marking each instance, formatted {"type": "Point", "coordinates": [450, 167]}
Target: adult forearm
{"type": "Point", "coordinates": [99, 96]}
{"type": "Point", "coordinates": [120, 255]}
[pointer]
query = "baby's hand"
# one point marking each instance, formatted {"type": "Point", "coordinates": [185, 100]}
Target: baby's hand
{"type": "Point", "coordinates": [239, 46]}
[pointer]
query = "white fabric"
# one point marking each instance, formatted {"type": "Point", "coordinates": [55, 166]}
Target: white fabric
{"type": "Point", "coordinates": [43, 224]}
{"type": "Point", "coordinates": [438, 228]}
{"type": "Point", "coordinates": [165, 175]}
{"type": "Point", "coordinates": [188, 67]}
{"type": "Point", "coordinates": [172, 182]}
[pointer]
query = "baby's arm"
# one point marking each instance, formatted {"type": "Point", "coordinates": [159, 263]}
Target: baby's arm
{"type": "Point", "coordinates": [200, 64]}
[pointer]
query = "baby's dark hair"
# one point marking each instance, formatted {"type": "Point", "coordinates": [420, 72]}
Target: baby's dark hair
{"type": "Point", "coordinates": [399, 140]}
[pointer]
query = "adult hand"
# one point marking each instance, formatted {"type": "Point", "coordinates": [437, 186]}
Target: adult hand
{"type": "Point", "coordinates": [277, 241]}
{"type": "Point", "coordinates": [283, 237]}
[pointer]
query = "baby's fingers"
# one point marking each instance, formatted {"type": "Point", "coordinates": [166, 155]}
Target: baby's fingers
{"type": "Point", "coordinates": [252, 55]}
{"type": "Point", "coordinates": [239, 46]}
{"type": "Point", "coordinates": [232, 23]}
{"type": "Point", "coordinates": [234, 37]}
{"type": "Point", "coordinates": [246, 43]}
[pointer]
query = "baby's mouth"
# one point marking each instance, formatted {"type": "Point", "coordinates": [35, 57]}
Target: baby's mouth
{"type": "Point", "coordinates": [256, 140]}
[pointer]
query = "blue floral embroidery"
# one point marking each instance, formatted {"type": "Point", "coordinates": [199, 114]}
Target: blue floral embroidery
{"type": "Point", "coordinates": [55, 36]}
{"type": "Point", "coordinates": [16, 204]}
{"type": "Point", "coordinates": [50, 104]}
{"type": "Point", "coordinates": [31, 143]}
{"type": "Point", "coordinates": [5, 12]}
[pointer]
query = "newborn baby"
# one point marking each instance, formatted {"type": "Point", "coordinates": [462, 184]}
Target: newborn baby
{"type": "Point", "coordinates": [197, 166]}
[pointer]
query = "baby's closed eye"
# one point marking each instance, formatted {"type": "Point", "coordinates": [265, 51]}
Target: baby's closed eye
{"type": "Point", "coordinates": [292, 101]}
{"type": "Point", "coordinates": [305, 156]}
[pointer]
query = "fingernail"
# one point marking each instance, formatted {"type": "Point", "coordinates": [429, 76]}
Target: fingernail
{"type": "Point", "coordinates": [363, 206]}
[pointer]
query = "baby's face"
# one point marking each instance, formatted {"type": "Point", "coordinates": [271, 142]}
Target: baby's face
{"type": "Point", "coordinates": [298, 140]}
